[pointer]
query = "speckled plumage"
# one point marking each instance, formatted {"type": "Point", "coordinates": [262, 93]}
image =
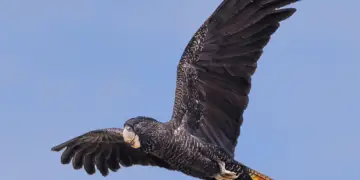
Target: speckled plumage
{"type": "Point", "coordinates": [212, 87]}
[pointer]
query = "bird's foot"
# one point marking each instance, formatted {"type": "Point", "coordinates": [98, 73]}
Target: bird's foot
{"type": "Point", "coordinates": [225, 174]}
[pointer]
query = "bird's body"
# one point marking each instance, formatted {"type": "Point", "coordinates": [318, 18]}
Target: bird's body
{"type": "Point", "coordinates": [186, 153]}
{"type": "Point", "coordinates": [196, 157]}
{"type": "Point", "coordinates": [213, 83]}
{"type": "Point", "coordinates": [183, 152]}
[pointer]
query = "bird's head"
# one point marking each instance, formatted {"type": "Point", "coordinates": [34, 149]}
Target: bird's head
{"type": "Point", "coordinates": [137, 131]}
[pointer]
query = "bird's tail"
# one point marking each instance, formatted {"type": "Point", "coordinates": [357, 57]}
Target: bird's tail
{"type": "Point", "coordinates": [253, 174]}
{"type": "Point", "coordinates": [244, 172]}
{"type": "Point", "coordinates": [256, 175]}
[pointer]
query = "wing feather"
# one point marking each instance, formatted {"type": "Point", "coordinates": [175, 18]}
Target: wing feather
{"type": "Point", "coordinates": [215, 70]}
{"type": "Point", "coordinates": [105, 150]}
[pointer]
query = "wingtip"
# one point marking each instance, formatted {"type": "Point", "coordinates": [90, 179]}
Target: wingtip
{"type": "Point", "coordinates": [292, 10]}
{"type": "Point", "coordinates": [59, 147]}
{"type": "Point", "coordinates": [297, 1]}
{"type": "Point", "coordinates": [55, 148]}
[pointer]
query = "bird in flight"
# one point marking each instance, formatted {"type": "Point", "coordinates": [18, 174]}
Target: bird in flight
{"type": "Point", "coordinates": [212, 87]}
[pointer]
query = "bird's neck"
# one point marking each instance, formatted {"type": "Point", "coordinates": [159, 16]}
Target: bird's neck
{"type": "Point", "coordinates": [156, 134]}
{"type": "Point", "coordinates": [163, 132]}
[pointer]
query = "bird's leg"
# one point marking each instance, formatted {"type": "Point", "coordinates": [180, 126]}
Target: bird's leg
{"type": "Point", "coordinates": [219, 156]}
{"type": "Point", "coordinates": [225, 174]}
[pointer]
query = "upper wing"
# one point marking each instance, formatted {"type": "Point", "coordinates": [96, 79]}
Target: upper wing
{"type": "Point", "coordinates": [106, 149]}
{"type": "Point", "coordinates": [214, 73]}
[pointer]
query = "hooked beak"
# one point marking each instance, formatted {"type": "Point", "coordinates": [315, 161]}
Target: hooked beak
{"type": "Point", "coordinates": [131, 138]}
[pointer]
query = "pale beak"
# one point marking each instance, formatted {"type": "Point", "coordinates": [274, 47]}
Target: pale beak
{"type": "Point", "coordinates": [131, 138]}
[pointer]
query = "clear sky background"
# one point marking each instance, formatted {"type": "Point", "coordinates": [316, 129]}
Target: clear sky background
{"type": "Point", "coordinates": [67, 67]}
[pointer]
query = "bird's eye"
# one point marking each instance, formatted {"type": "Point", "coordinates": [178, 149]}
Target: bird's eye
{"type": "Point", "coordinates": [128, 128]}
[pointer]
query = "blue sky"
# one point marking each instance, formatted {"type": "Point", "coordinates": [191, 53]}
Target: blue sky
{"type": "Point", "coordinates": [67, 67]}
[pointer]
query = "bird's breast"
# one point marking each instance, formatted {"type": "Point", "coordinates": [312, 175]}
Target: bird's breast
{"type": "Point", "coordinates": [178, 149]}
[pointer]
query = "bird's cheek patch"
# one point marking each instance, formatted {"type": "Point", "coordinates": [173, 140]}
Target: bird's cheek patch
{"type": "Point", "coordinates": [128, 136]}
{"type": "Point", "coordinates": [136, 142]}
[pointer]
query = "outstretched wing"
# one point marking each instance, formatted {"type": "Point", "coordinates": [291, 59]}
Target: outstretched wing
{"type": "Point", "coordinates": [104, 149]}
{"type": "Point", "coordinates": [214, 73]}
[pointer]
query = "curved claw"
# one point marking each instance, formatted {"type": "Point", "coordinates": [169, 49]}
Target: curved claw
{"type": "Point", "coordinates": [225, 174]}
